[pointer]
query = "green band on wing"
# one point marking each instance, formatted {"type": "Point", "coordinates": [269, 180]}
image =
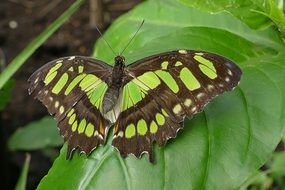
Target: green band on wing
{"type": "Point", "coordinates": [135, 92]}
{"type": "Point", "coordinates": [97, 94]}
{"type": "Point", "coordinates": [149, 79]}
{"type": "Point", "coordinates": [208, 72]}
{"type": "Point", "coordinates": [205, 62]}
{"type": "Point", "coordinates": [50, 77]}
{"type": "Point", "coordinates": [73, 83]}
{"type": "Point", "coordinates": [168, 80]}
{"type": "Point", "coordinates": [88, 81]}
{"type": "Point", "coordinates": [60, 83]}
{"type": "Point", "coordinates": [52, 73]}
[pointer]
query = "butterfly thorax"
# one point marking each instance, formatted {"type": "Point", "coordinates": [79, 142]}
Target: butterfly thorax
{"type": "Point", "coordinates": [113, 91]}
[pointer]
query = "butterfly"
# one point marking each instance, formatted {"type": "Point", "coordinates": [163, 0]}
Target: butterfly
{"type": "Point", "coordinates": [145, 102]}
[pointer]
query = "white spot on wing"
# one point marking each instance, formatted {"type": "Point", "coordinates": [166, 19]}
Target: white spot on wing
{"type": "Point", "coordinates": [56, 104]}
{"type": "Point", "coordinates": [100, 136]}
{"type": "Point", "coordinates": [200, 95]}
{"type": "Point", "coordinates": [210, 87]}
{"type": "Point", "coordinates": [37, 79]}
{"type": "Point", "coordinates": [120, 134]}
{"type": "Point", "coordinates": [59, 61]}
{"type": "Point", "coordinates": [71, 58]}
{"type": "Point", "coordinates": [230, 72]}
{"type": "Point", "coordinates": [227, 79]}
{"type": "Point", "coordinates": [182, 51]}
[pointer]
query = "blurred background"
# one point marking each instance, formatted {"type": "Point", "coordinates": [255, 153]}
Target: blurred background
{"type": "Point", "coordinates": [20, 22]}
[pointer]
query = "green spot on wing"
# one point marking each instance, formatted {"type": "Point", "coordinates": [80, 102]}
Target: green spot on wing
{"type": "Point", "coordinates": [81, 126]}
{"type": "Point", "coordinates": [142, 127]}
{"type": "Point", "coordinates": [130, 131]}
{"type": "Point", "coordinates": [178, 63]}
{"type": "Point", "coordinates": [153, 127]}
{"type": "Point", "coordinates": [189, 79]}
{"type": "Point", "coordinates": [74, 126]}
{"type": "Point", "coordinates": [89, 130]}
{"type": "Point", "coordinates": [71, 119]}
{"type": "Point", "coordinates": [70, 112]}
{"type": "Point", "coordinates": [80, 69]}
{"type": "Point", "coordinates": [160, 119]}
{"type": "Point", "coordinates": [164, 65]}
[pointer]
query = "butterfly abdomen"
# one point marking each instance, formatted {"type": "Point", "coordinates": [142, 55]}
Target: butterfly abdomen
{"type": "Point", "coordinates": [112, 94]}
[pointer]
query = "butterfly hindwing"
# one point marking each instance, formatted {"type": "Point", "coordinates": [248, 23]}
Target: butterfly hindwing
{"type": "Point", "coordinates": [72, 89]}
{"type": "Point", "coordinates": [159, 91]}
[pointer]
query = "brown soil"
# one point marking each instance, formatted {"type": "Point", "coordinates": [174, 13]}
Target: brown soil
{"type": "Point", "coordinates": [20, 22]}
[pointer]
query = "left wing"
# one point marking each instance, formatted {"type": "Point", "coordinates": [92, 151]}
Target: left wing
{"type": "Point", "coordinates": [72, 89]}
{"type": "Point", "coordinates": [159, 91]}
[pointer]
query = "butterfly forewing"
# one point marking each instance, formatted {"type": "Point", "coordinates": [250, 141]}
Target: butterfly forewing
{"type": "Point", "coordinates": [159, 91]}
{"type": "Point", "coordinates": [72, 89]}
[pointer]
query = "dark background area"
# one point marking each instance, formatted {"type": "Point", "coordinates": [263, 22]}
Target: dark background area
{"type": "Point", "coordinates": [20, 22]}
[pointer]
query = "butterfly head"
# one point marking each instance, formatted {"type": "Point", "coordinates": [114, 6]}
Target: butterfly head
{"type": "Point", "coordinates": [120, 60]}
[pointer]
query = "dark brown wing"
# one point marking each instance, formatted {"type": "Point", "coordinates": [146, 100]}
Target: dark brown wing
{"type": "Point", "coordinates": [72, 89]}
{"type": "Point", "coordinates": [159, 91]}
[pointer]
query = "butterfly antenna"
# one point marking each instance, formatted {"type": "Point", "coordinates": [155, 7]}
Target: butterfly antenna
{"type": "Point", "coordinates": [105, 40]}
{"type": "Point", "coordinates": [132, 37]}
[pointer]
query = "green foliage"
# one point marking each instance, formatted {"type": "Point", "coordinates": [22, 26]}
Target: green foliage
{"type": "Point", "coordinates": [219, 148]}
{"type": "Point", "coordinates": [5, 94]}
{"type": "Point", "coordinates": [36, 135]}
{"type": "Point", "coordinates": [272, 174]}
{"type": "Point", "coordinates": [21, 184]}
{"type": "Point", "coordinates": [18, 61]}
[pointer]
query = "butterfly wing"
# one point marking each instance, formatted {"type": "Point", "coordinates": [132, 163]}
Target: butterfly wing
{"type": "Point", "coordinates": [159, 91]}
{"type": "Point", "coordinates": [72, 89]}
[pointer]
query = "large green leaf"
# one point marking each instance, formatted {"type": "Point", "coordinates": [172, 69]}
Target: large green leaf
{"type": "Point", "coordinates": [164, 17]}
{"type": "Point", "coordinates": [244, 10]}
{"type": "Point", "coordinates": [36, 135]}
{"type": "Point", "coordinates": [220, 147]}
